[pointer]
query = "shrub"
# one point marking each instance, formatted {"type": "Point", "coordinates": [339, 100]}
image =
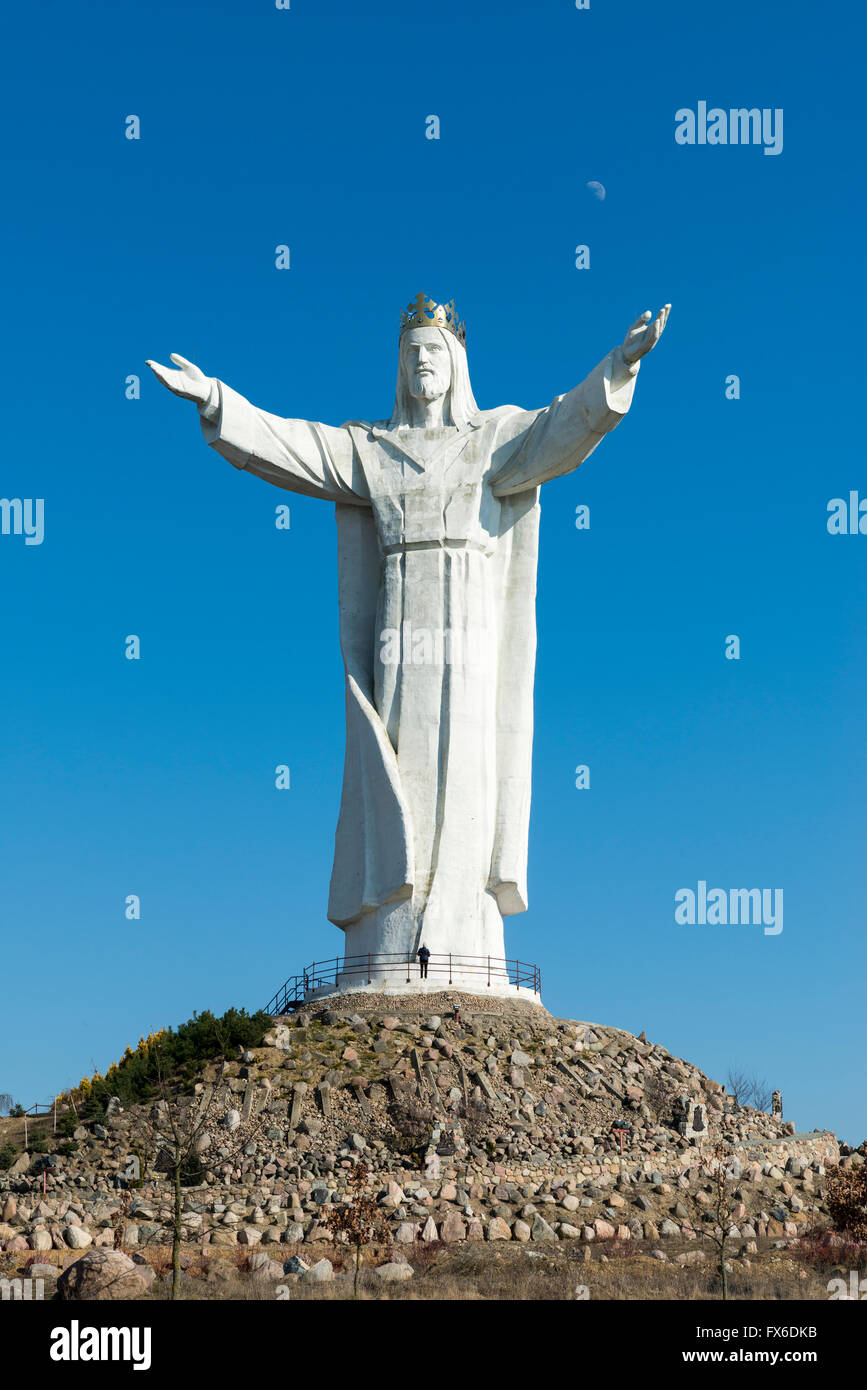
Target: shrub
{"type": "Point", "coordinates": [8, 1155]}
{"type": "Point", "coordinates": [177, 1053]}
{"type": "Point", "coordinates": [846, 1197]}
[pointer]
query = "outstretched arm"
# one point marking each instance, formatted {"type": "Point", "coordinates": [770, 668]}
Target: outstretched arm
{"type": "Point", "coordinates": [317, 460]}
{"type": "Point", "coordinates": [547, 443]}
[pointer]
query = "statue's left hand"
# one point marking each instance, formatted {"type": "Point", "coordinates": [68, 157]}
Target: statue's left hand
{"type": "Point", "coordinates": [190, 383]}
{"type": "Point", "coordinates": [644, 335]}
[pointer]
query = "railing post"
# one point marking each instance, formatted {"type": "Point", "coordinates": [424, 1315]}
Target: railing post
{"type": "Point", "coordinates": [408, 965]}
{"type": "Point", "coordinates": [489, 972]}
{"type": "Point", "coordinates": [450, 967]}
{"type": "Point", "coordinates": [368, 967]}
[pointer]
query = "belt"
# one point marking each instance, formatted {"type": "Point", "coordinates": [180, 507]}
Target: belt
{"type": "Point", "coordinates": [401, 547]}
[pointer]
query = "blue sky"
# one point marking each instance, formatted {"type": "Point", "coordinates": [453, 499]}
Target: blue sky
{"type": "Point", "coordinates": [306, 127]}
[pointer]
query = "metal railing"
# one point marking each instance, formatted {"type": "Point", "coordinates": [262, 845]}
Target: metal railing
{"type": "Point", "coordinates": [343, 971]}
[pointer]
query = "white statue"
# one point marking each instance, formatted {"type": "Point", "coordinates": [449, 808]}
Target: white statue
{"type": "Point", "coordinates": [437, 531]}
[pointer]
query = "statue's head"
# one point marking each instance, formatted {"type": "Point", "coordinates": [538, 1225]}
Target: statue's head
{"type": "Point", "coordinates": [433, 362]}
{"type": "Point", "coordinates": [426, 364]}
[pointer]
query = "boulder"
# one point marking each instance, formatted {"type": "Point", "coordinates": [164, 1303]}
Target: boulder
{"type": "Point", "coordinates": [393, 1272]}
{"type": "Point", "coordinates": [77, 1238]}
{"type": "Point", "coordinates": [106, 1275]}
{"type": "Point", "coordinates": [603, 1229]}
{"type": "Point", "coordinates": [498, 1229]}
{"type": "Point", "coordinates": [320, 1273]}
{"type": "Point", "coordinates": [453, 1228]}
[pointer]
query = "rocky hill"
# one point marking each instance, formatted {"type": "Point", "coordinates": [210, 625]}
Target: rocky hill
{"type": "Point", "coordinates": [504, 1124]}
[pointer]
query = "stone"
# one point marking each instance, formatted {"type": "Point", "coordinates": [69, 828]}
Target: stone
{"type": "Point", "coordinates": [540, 1230]}
{"type": "Point", "coordinates": [429, 1231]}
{"type": "Point", "coordinates": [497, 1229]}
{"type": "Point", "coordinates": [406, 1233]}
{"type": "Point", "coordinates": [521, 1059]}
{"type": "Point", "coordinates": [690, 1257]}
{"type": "Point", "coordinates": [77, 1238]}
{"type": "Point", "coordinates": [232, 1120]}
{"type": "Point", "coordinates": [295, 1265]}
{"type": "Point", "coordinates": [453, 1228]}
{"type": "Point", "coordinates": [603, 1230]}
{"type": "Point", "coordinates": [223, 1237]}
{"type": "Point", "coordinates": [320, 1273]}
{"type": "Point", "coordinates": [104, 1275]}
{"type": "Point", "coordinates": [393, 1272]}
{"type": "Point", "coordinates": [521, 1231]}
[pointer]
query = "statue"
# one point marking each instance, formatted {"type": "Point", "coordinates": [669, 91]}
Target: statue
{"type": "Point", "coordinates": [437, 541]}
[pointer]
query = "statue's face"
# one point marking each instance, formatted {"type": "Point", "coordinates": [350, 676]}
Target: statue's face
{"type": "Point", "coordinates": [427, 363]}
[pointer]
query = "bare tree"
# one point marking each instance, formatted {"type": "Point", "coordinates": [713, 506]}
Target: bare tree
{"type": "Point", "coordinates": [737, 1085]}
{"type": "Point", "coordinates": [748, 1088]}
{"type": "Point", "coordinates": [168, 1135]}
{"type": "Point", "coordinates": [715, 1220]}
{"type": "Point", "coordinates": [360, 1219]}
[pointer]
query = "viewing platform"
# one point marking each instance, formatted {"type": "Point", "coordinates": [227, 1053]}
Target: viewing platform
{"type": "Point", "coordinates": [402, 974]}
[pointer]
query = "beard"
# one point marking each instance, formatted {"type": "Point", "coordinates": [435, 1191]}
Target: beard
{"type": "Point", "coordinates": [427, 387]}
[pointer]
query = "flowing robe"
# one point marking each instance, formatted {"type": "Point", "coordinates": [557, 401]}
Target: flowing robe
{"type": "Point", "coordinates": [437, 556]}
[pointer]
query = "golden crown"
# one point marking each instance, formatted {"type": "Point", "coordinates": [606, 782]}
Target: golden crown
{"type": "Point", "coordinates": [422, 312]}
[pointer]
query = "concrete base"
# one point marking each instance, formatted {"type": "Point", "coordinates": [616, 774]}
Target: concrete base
{"type": "Point", "coordinates": [498, 990]}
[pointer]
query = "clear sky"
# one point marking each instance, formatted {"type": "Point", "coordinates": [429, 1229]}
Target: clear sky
{"type": "Point", "coordinates": [708, 516]}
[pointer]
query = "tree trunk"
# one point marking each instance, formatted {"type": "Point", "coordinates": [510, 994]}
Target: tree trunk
{"type": "Point", "coordinates": [357, 1271]}
{"type": "Point", "coordinates": [176, 1236]}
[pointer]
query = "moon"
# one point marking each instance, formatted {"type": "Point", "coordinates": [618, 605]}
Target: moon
{"type": "Point", "coordinates": [597, 189]}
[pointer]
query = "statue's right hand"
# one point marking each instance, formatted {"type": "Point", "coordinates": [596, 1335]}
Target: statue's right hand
{"type": "Point", "coordinates": [188, 382]}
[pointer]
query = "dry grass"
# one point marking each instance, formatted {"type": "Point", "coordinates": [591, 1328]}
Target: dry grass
{"type": "Point", "coordinates": [501, 1273]}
